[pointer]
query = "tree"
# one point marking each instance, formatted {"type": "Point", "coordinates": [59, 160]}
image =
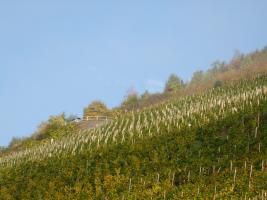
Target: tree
{"type": "Point", "coordinates": [96, 108]}
{"type": "Point", "coordinates": [173, 84]}
{"type": "Point", "coordinates": [131, 98]}
{"type": "Point", "coordinates": [54, 127]}
{"type": "Point", "coordinates": [218, 67]}
{"type": "Point", "coordinates": [237, 55]}
{"type": "Point", "coordinates": [236, 60]}
{"type": "Point", "coordinates": [247, 61]}
{"type": "Point", "coordinates": [197, 77]}
{"type": "Point", "coordinates": [146, 95]}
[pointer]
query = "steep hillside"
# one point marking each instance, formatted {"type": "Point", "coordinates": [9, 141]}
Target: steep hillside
{"type": "Point", "coordinates": [209, 146]}
{"type": "Point", "coordinates": [241, 66]}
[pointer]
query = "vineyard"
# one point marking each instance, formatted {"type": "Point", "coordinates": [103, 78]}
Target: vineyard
{"type": "Point", "coordinates": [208, 146]}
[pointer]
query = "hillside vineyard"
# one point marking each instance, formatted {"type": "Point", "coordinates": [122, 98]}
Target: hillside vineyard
{"type": "Point", "coordinates": [209, 146]}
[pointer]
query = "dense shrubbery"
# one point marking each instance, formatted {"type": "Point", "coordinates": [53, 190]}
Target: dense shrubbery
{"type": "Point", "coordinates": [208, 146]}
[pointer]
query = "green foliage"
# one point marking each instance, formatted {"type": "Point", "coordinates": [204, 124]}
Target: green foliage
{"type": "Point", "coordinates": [174, 84]}
{"type": "Point", "coordinates": [55, 127]}
{"type": "Point", "coordinates": [96, 108]}
{"type": "Point", "coordinates": [198, 76]}
{"type": "Point", "coordinates": [131, 99]}
{"type": "Point", "coordinates": [145, 96]}
{"type": "Point", "coordinates": [218, 67]}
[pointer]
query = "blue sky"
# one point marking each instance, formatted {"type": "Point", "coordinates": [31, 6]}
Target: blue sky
{"type": "Point", "coordinates": [58, 56]}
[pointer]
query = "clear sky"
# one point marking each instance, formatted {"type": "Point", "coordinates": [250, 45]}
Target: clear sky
{"type": "Point", "coordinates": [57, 56]}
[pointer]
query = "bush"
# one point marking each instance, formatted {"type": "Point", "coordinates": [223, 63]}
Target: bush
{"type": "Point", "coordinates": [96, 108]}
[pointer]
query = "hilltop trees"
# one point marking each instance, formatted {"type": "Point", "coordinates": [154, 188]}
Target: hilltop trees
{"type": "Point", "coordinates": [197, 77]}
{"type": "Point", "coordinates": [174, 84]}
{"type": "Point", "coordinates": [96, 108]}
{"type": "Point", "coordinates": [218, 67]}
{"type": "Point", "coordinates": [146, 95]}
{"type": "Point", "coordinates": [241, 66]}
{"type": "Point", "coordinates": [131, 98]}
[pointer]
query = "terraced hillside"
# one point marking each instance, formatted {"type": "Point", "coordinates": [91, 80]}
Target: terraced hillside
{"type": "Point", "coordinates": [209, 146]}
